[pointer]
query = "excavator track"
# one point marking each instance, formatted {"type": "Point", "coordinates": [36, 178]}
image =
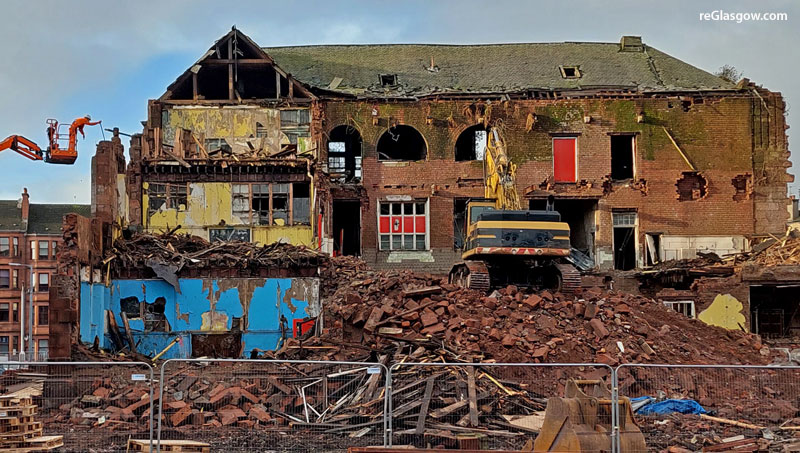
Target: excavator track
{"type": "Point", "coordinates": [471, 275]}
{"type": "Point", "coordinates": [570, 277]}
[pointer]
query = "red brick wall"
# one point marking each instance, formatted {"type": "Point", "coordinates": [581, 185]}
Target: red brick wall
{"type": "Point", "coordinates": [715, 133]}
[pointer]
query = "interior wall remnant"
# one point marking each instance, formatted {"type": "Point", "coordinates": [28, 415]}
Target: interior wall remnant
{"type": "Point", "coordinates": [726, 312]}
{"type": "Point", "coordinates": [579, 215]}
{"type": "Point", "coordinates": [692, 186]}
{"type": "Point", "coordinates": [743, 187]}
{"type": "Point", "coordinates": [347, 227]}
{"type": "Point", "coordinates": [402, 142]}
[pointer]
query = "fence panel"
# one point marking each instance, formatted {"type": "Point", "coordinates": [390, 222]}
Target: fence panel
{"type": "Point", "coordinates": [493, 405]}
{"type": "Point", "coordinates": [274, 405]}
{"type": "Point", "coordinates": [87, 406]}
{"type": "Point", "coordinates": [753, 397]}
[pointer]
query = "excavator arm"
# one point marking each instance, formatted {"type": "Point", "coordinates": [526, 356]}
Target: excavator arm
{"type": "Point", "coordinates": [23, 146]}
{"type": "Point", "coordinates": [500, 174]}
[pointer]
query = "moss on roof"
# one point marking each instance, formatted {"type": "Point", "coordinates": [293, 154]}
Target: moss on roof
{"type": "Point", "coordinates": [42, 218]}
{"type": "Point", "coordinates": [489, 68]}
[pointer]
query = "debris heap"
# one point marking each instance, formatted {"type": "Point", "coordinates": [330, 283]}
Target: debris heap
{"type": "Point", "coordinates": [187, 251]}
{"type": "Point", "coordinates": [395, 311]}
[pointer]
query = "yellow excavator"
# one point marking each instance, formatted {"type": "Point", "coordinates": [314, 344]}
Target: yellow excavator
{"type": "Point", "coordinates": [506, 245]}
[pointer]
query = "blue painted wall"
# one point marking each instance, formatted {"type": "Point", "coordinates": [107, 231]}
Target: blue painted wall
{"type": "Point", "coordinates": [198, 303]}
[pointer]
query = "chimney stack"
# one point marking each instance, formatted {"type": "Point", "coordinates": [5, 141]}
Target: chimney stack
{"type": "Point", "coordinates": [25, 205]}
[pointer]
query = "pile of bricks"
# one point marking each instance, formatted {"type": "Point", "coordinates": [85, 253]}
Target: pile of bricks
{"type": "Point", "coordinates": [19, 430]}
{"type": "Point", "coordinates": [383, 309]}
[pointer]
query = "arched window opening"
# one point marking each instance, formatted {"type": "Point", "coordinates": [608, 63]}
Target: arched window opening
{"type": "Point", "coordinates": [402, 143]}
{"type": "Point", "coordinates": [471, 144]}
{"type": "Point", "coordinates": [344, 154]}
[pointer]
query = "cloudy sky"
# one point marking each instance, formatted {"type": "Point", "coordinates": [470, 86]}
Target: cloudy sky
{"type": "Point", "coordinates": [106, 58]}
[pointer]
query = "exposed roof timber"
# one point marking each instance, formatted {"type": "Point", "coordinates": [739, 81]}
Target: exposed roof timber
{"type": "Point", "coordinates": [207, 59]}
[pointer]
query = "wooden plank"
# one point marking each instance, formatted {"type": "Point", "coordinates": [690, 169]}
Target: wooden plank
{"type": "Point", "coordinates": [128, 333]}
{"type": "Point", "coordinates": [471, 393]}
{"type": "Point", "coordinates": [426, 401]}
{"type": "Point", "coordinates": [194, 85]}
{"type": "Point", "coordinates": [441, 412]}
{"type": "Point", "coordinates": [230, 69]}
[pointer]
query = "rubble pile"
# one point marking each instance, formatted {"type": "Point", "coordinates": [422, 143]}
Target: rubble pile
{"type": "Point", "coordinates": [395, 311]}
{"type": "Point", "coordinates": [778, 251]}
{"type": "Point", "coordinates": [179, 251]}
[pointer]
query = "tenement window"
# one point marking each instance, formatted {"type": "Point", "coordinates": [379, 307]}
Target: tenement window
{"type": "Point", "coordinates": [403, 225]}
{"type": "Point", "coordinates": [5, 247]}
{"type": "Point", "coordinates": [166, 196]}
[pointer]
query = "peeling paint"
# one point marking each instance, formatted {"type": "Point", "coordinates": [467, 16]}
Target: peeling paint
{"type": "Point", "coordinates": [306, 289]}
{"type": "Point", "coordinates": [725, 311]}
{"type": "Point", "coordinates": [214, 321]}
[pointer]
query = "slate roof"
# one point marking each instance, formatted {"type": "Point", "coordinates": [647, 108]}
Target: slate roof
{"type": "Point", "coordinates": [42, 218]}
{"type": "Point", "coordinates": [10, 216]}
{"type": "Point", "coordinates": [489, 68]}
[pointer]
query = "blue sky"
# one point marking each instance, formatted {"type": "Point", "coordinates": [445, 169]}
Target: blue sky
{"type": "Point", "coordinates": [106, 58]}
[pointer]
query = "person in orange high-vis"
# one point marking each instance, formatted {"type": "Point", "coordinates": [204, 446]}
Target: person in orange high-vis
{"type": "Point", "coordinates": [77, 126]}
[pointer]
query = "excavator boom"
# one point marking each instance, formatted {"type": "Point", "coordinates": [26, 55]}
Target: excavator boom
{"type": "Point", "coordinates": [23, 146]}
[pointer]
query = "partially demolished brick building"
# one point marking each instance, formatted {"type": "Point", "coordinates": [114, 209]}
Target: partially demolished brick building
{"type": "Point", "coordinates": [373, 150]}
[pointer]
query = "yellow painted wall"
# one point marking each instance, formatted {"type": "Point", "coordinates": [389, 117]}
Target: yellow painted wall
{"type": "Point", "coordinates": [725, 311]}
{"type": "Point", "coordinates": [210, 205]}
{"type": "Point", "coordinates": [237, 125]}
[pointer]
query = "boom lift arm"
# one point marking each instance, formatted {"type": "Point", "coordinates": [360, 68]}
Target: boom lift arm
{"type": "Point", "coordinates": [23, 146]}
{"type": "Point", "coordinates": [55, 153]}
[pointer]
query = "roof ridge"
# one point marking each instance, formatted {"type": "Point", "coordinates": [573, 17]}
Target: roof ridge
{"type": "Point", "coordinates": [440, 44]}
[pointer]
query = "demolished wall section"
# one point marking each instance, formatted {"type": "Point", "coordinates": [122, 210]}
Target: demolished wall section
{"type": "Point", "coordinates": [712, 132]}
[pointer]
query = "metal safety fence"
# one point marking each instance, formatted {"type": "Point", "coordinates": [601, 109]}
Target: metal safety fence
{"type": "Point", "coordinates": [75, 406]}
{"type": "Point", "coordinates": [713, 407]}
{"type": "Point", "coordinates": [273, 405]}
{"type": "Point", "coordinates": [500, 405]}
{"type": "Point", "coordinates": [293, 406]}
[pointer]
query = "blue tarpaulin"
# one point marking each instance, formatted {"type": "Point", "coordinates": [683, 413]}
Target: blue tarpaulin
{"type": "Point", "coordinates": [669, 406]}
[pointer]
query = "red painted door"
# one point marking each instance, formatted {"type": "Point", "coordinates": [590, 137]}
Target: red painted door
{"type": "Point", "coordinates": [564, 159]}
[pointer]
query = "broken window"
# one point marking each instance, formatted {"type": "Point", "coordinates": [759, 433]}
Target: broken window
{"type": "Point", "coordinates": [570, 72]}
{"type": "Point", "coordinates": [742, 187]}
{"type": "Point", "coordinates": [565, 159]}
{"type": "Point", "coordinates": [241, 202]}
{"type": "Point", "coordinates": [402, 143]}
{"type": "Point", "coordinates": [344, 154]}
{"type": "Point", "coordinates": [622, 157]}
{"type": "Point", "coordinates": [403, 225]}
{"type": "Point", "coordinates": [177, 196]}
{"type": "Point", "coordinates": [4, 313]}
{"type": "Point", "coordinates": [215, 145]}
{"type": "Point", "coordinates": [388, 80]}
{"type": "Point", "coordinates": [692, 186]}
{"type": "Point", "coordinates": [166, 196]}
{"type": "Point", "coordinates": [5, 247]}
{"type": "Point", "coordinates": [280, 204]}
{"type": "Point", "coordinates": [260, 204]}
{"type": "Point", "coordinates": [471, 144]}
{"type": "Point", "coordinates": [301, 204]}
{"type": "Point", "coordinates": [290, 118]}
{"type": "Point", "coordinates": [685, 307]}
